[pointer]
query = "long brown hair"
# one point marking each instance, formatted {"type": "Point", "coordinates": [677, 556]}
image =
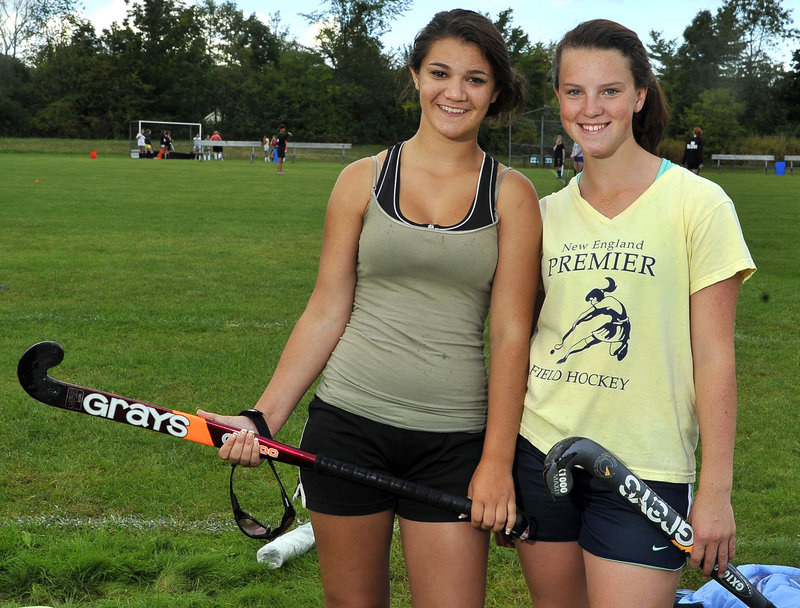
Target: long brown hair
{"type": "Point", "coordinates": [651, 121]}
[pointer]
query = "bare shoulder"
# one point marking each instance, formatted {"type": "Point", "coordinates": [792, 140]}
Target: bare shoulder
{"type": "Point", "coordinates": [354, 182]}
{"type": "Point", "coordinates": [358, 175]}
{"type": "Point", "coordinates": [363, 166]}
{"type": "Point", "coordinates": [516, 191]}
{"type": "Point", "coordinates": [351, 193]}
{"type": "Point", "coordinates": [355, 171]}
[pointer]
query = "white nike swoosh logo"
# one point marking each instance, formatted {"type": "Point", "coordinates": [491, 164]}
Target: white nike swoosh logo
{"type": "Point", "coordinates": [660, 548]}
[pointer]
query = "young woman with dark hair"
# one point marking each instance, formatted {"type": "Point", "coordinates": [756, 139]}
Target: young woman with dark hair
{"type": "Point", "coordinates": [420, 243]}
{"type": "Point", "coordinates": [647, 371]}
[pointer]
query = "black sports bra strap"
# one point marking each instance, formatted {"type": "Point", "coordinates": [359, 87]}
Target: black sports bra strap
{"type": "Point", "coordinates": [481, 214]}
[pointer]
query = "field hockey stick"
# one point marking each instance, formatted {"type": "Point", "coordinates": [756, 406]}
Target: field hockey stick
{"type": "Point", "coordinates": [39, 358]}
{"type": "Point", "coordinates": [605, 466]}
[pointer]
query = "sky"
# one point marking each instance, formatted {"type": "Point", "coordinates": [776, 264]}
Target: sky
{"type": "Point", "coordinates": [543, 20]}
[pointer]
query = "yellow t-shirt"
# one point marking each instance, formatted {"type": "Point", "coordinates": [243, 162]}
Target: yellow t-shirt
{"type": "Point", "coordinates": [611, 355]}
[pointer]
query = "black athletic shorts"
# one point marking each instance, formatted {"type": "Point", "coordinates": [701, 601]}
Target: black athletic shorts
{"type": "Point", "coordinates": [441, 460]}
{"type": "Point", "coordinates": [595, 516]}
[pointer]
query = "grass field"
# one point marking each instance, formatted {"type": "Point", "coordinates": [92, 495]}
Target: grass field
{"type": "Point", "coordinates": [177, 283]}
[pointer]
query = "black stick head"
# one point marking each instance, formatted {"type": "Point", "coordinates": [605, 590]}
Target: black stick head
{"type": "Point", "coordinates": [558, 467]}
{"type": "Point", "coordinates": [32, 372]}
{"type": "Point", "coordinates": [581, 452]}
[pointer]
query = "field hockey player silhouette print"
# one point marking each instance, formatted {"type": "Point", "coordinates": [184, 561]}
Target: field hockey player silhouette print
{"type": "Point", "coordinates": [615, 331]}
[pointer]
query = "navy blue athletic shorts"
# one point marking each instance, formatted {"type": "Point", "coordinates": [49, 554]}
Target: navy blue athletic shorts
{"type": "Point", "coordinates": [441, 460]}
{"type": "Point", "coordinates": [595, 516]}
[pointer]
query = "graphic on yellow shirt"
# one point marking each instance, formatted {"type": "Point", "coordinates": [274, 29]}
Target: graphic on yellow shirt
{"type": "Point", "coordinates": [614, 328]}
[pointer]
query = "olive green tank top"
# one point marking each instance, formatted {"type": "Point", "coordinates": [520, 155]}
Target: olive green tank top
{"type": "Point", "coordinates": [412, 354]}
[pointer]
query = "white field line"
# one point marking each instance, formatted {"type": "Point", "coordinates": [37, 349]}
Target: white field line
{"type": "Point", "coordinates": [119, 522]}
{"type": "Point", "coordinates": [775, 338]}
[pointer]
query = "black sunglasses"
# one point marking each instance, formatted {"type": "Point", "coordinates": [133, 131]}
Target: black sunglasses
{"type": "Point", "coordinates": [253, 528]}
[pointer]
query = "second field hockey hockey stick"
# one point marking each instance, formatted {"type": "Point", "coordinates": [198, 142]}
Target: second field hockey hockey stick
{"type": "Point", "coordinates": [605, 466]}
{"type": "Point", "coordinates": [39, 358]}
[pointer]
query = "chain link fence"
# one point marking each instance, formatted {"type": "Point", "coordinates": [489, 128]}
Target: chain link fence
{"type": "Point", "coordinates": [532, 137]}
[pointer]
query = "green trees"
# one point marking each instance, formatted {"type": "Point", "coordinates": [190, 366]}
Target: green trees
{"type": "Point", "coordinates": [155, 63]}
{"type": "Point", "coordinates": [533, 61]}
{"type": "Point", "coordinates": [171, 60]}
{"type": "Point", "coordinates": [788, 93]}
{"type": "Point", "coordinates": [25, 24]}
{"type": "Point", "coordinates": [14, 116]}
{"type": "Point", "coordinates": [724, 75]}
{"type": "Point", "coordinates": [363, 88]}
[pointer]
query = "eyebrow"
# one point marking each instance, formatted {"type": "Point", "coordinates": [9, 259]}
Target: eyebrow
{"type": "Point", "coordinates": [438, 64]}
{"type": "Point", "coordinates": [606, 85]}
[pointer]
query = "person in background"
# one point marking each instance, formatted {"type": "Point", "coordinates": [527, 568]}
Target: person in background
{"type": "Point", "coordinates": [140, 138]}
{"type": "Point", "coordinates": [559, 154]}
{"type": "Point", "coordinates": [164, 145]}
{"type": "Point", "coordinates": [577, 158]}
{"type": "Point", "coordinates": [265, 142]}
{"type": "Point", "coordinates": [274, 148]}
{"type": "Point", "coordinates": [693, 153]}
{"type": "Point", "coordinates": [148, 143]}
{"type": "Point", "coordinates": [281, 139]}
{"type": "Point", "coordinates": [197, 149]}
{"type": "Point", "coordinates": [395, 326]}
{"type": "Point", "coordinates": [634, 343]}
{"type": "Point", "coordinates": [216, 150]}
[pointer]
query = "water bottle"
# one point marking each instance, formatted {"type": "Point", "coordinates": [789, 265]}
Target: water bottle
{"type": "Point", "coordinates": [293, 543]}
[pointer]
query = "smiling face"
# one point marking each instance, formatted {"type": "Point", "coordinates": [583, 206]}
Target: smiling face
{"type": "Point", "coordinates": [598, 100]}
{"type": "Point", "coordinates": [456, 87]}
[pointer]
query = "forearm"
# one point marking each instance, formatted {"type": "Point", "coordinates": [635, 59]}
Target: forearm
{"type": "Point", "coordinates": [716, 413]}
{"type": "Point", "coordinates": [712, 515]}
{"type": "Point", "coordinates": [492, 485]}
{"type": "Point", "coordinates": [508, 373]}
